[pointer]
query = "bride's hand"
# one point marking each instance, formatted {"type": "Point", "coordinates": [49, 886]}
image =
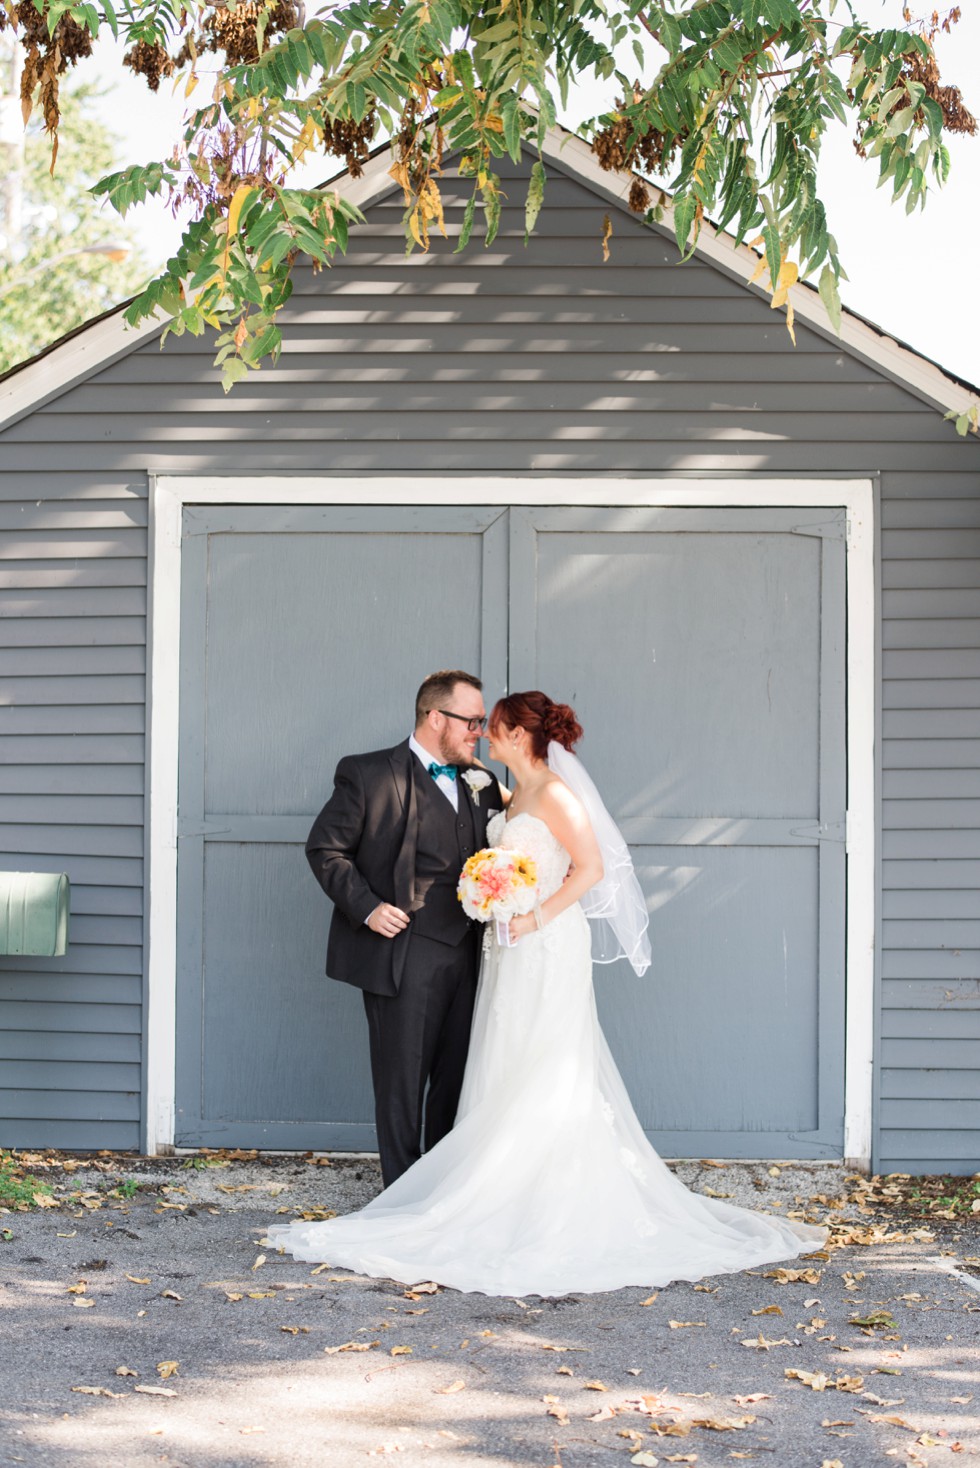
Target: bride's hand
{"type": "Point", "coordinates": [519, 927]}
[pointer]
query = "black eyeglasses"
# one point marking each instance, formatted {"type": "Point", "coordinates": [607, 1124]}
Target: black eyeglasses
{"type": "Point", "coordinates": [472, 724]}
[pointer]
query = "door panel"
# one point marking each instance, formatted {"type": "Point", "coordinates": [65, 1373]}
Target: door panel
{"type": "Point", "coordinates": [704, 653]}
{"type": "Point", "coordinates": [305, 634]}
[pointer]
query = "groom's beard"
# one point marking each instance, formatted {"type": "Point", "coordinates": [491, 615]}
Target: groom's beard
{"type": "Point", "coordinates": [452, 754]}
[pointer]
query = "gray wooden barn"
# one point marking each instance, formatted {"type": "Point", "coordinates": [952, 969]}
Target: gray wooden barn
{"type": "Point", "coordinates": [753, 569]}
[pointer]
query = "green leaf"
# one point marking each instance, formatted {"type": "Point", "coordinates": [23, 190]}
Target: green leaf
{"type": "Point", "coordinates": [774, 253]}
{"type": "Point", "coordinates": [357, 101]}
{"type": "Point", "coordinates": [467, 229]}
{"type": "Point", "coordinates": [899, 125]}
{"type": "Point", "coordinates": [830, 296]}
{"type": "Point", "coordinates": [942, 163]}
{"type": "Point", "coordinates": [934, 117]}
{"type": "Point", "coordinates": [670, 34]}
{"type": "Point", "coordinates": [491, 208]}
{"type": "Point", "coordinates": [233, 369]}
{"type": "Point", "coordinates": [511, 116]}
{"type": "Point", "coordinates": [685, 208]}
{"type": "Point", "coordinates": [535, 198]}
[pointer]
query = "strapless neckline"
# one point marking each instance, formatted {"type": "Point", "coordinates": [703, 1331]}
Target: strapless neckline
{"type": "Point", "coordinates": [527, 816]}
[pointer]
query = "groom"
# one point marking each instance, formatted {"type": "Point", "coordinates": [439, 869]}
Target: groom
{"type": "Point", "coordinates": [387, 849]}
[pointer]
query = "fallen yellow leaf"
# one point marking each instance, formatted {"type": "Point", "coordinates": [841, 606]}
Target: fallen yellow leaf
{"type": "Point", "coordinates": [155, 1391]}
{"type": "Point", "coordinates": [594, 1386]}
{"type": "Point", "coordinates": [448, 1391]}
{"type": "Point", "coordinates": [401, 1350]}
{"type": "Point", "coordinates": [556, 1410]}
{"type": "Point", "coordinates": [685, 1324]}
{"type": "Point", "coordinates": [724, 1424]}
{"type": "Point", "coordinates": [818, 1381]}
{"type": "Point", "coordinates": [136, 1279]}
{"type": "Point", "coordinates": [761, 1343]}
{"type": "Point", "coordinates": [167, 1369]}
{"type": "Point", "coordinates": [126, 1371]}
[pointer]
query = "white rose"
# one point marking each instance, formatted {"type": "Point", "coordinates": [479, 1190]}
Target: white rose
{"type": "Point", "coordinates": [476, 780]}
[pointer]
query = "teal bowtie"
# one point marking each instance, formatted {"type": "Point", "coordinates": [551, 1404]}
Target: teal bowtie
{"type": "Point", "coordinates": [436, 770]}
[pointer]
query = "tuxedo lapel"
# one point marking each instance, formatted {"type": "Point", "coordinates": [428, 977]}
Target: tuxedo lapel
{"type": "Point", "coordinates": [401, 760]}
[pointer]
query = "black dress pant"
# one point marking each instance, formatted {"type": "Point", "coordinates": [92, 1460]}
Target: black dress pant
{"type": "Point", "coordinates": [420, 1036]}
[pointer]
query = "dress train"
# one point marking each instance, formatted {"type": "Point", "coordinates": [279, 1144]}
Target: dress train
{"type": "Point", "coordinates": [547, 1183]}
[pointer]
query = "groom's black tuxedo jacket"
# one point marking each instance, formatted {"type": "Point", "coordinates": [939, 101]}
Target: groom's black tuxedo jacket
{"type": "Point", "coordinates": [364, 849]}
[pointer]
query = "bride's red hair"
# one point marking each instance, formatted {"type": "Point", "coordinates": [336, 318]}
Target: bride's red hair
{"type": "Point", "coordinates": [543, 719]}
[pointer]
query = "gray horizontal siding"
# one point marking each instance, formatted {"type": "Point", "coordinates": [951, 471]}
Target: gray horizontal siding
{"type": "Point", "coordinates": [72, 660]}
{"type": "Point", "coordinates": [541, 360]}
{"type": "Point", "coordinates": [928, 1112]}
{"type": "Point", "coordinates": [53, 1046]}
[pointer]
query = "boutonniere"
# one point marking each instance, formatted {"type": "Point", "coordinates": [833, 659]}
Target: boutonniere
{"type": "Point", "coordinates": [476, 780]}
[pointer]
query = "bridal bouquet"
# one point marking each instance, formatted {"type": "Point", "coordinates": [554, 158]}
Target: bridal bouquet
{"type": "Point", "coordinates": [497, 884]}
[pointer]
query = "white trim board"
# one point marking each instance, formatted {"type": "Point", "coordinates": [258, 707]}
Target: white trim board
{"type": "Point", "coordinates": [109, 338]}
{"type": "Point", "coordinates": [169, 495]}
{"type": "Point", "coordinates": [83, 354]}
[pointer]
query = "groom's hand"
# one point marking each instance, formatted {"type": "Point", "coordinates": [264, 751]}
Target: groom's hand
{"type": "Point", "coordinates": [388, 921]}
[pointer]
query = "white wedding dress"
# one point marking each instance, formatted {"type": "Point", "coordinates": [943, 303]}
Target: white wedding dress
{"type": "Point", "coordinates": [547, 1184]}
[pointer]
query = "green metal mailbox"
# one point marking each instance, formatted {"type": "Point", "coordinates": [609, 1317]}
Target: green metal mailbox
{"type": "Point", "coordinates": [34, 913]}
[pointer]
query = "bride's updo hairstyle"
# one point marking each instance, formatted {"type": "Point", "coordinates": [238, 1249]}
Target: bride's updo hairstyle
{"type": "Point", "coordinates": [543, 719]}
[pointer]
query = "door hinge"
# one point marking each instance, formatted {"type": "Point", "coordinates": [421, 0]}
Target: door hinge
{"type": "Point", "coordinates": [836, 529]}
{"type": "Point", "coordinates": [822, 831]}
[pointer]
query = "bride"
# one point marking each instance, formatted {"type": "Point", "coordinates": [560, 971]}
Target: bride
{"type": "Point", "coordinates": [547, 1184]}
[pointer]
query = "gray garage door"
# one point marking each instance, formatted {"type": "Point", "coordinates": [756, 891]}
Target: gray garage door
{"type": "Point", "coordinates": [704, 651]}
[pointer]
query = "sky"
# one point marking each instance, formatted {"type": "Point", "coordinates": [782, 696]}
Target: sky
{"type": "Point", "coordinates": [915, 276]}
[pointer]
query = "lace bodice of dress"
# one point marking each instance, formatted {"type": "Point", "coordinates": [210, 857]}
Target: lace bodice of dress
{"type": "Point", "coordinates": [530, 835]}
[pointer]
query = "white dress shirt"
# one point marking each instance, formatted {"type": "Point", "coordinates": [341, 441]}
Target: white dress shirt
{"type": "Point", "coordinates": [449, 788]}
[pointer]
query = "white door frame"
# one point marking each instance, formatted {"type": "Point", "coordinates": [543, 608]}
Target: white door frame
{"type": "Point", "coordinates": [170, 493]}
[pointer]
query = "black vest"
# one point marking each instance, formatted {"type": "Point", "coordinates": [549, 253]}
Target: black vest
{"type": "Point", "coordinates": [445, 839]}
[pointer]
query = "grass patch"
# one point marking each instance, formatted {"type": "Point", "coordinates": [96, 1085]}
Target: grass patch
{"type": "Point", "coordinates": [18, 1189]}
{"type": "Point", "coordinates": [934, 1196]}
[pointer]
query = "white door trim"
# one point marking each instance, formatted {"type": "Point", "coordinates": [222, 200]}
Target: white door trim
{"type": "Point", "coordinates": [169, 495]}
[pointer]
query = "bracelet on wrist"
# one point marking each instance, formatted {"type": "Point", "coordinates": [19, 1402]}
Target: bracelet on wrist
{"type": "Point", "coordinates": [538, 919]}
